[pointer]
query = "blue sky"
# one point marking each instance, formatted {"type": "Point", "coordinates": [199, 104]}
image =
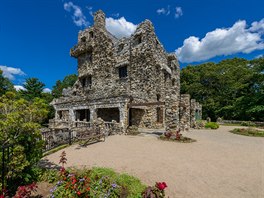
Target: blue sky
{"type": "Point", "coordinates": [36, 35]}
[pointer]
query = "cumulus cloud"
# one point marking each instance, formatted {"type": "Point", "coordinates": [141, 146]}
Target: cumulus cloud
{"type": "Point", "coordinates": [178, 12]}
{"type": "Point", "coordinates": [78, 17]}
{"type": "Point", "coordinates": [47, 90]}
{"type": "Point", "coordinates": [120, 27]}
{"type": "Point", "coordinates": [10, 72]}
{"type": "Point", "coordinates": [164, 11]}
{"type": "Point", "coordinates": [223, 41]}
{"type": "Point", "coordinates": [19, 87]}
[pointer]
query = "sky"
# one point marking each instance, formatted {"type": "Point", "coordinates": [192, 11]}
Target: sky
{"type": "Point", "coordinates": [36, 35]}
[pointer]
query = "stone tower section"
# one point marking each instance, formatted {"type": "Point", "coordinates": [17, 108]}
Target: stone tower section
{"type": "Point", "coordinates": [99, 19]}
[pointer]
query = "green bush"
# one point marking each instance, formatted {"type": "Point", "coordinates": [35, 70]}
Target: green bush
{"type": "Point", "coordinates": [248, 123]}
{"type": "Point", "coordinates": [211, 125]}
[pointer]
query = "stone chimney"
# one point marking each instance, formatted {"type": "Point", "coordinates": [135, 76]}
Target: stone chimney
{"type": "Point", "coordinates": [99, 19]}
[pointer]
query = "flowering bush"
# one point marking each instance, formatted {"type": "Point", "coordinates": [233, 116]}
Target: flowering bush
{"type": "Point", "coordinates": [25, 191]}
{"type": "Point", "coordinates": [80, 185]}
{"type": "Point", "coordinates": [175, 136]}
{"type": "Point", "coordinates": [156, 191]}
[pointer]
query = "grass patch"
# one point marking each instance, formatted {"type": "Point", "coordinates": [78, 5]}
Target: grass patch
{"type": "Point", "coordinates": [248, 132]}
{"type": "Point", "coordinates": [55, 149]}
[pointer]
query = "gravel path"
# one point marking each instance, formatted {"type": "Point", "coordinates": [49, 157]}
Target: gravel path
{"type": "Point", "coordinates": [220, 164]}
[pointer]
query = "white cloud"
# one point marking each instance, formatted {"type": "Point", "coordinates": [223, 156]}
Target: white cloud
{"type": "Point", "coordinates": [78, 17]}
{"type": "Point", "coordinates": [90, 10]}
{"type": "Point", "coordinates": [164, 11]}
{"type": "Point", "coordinates": [178, 12]}
{"type": "Point", "coordinates": [10, 72]}
{"type": "Point", "coordinates": [46, 90]}
{"type": "Point", "coordinates": [120, 27]}
{"type": "Point", "coordinates": [19, 87]}
{"type": "Point", "coordinates": [223, 41]}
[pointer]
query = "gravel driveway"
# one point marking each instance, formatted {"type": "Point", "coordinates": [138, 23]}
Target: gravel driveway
{"type": "Point", "coordinates": [220, 164]}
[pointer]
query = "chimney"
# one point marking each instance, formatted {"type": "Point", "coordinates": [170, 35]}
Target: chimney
{"type": "Point", "coordinates": [99, 19]}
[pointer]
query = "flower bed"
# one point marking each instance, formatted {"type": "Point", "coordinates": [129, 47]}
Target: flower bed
{"type": "Point", "coordinates": [97, 182]}
{"type": "Point", "coordinates": [248, 132]}
{"type": "Point", "coordinates": [175, 137]}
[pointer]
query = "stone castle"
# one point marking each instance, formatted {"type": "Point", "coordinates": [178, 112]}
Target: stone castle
{"type": "Point", "coordinates": [130, 81]}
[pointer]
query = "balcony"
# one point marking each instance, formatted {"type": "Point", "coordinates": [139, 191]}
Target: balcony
{"type": "Point", "coordinates": [80, 48]}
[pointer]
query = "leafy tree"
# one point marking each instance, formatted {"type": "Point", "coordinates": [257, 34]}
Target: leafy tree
{"type": "Point", "coordinates": [34, 88]}
{"type": "Point", "coordinates": [68, 81]}
{"type": "Point", "coordinates": [232, 89]}
{"type": "Point", "coordinates": [5, 84]}
{"type": "Point", "coordinates": [19, 125]}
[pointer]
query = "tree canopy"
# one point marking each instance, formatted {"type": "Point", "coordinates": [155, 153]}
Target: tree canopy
{"type": "Point", "coordinates": [68, 81]}
{"type": "Point", "coordinates": [33, 88]}
{"type": "Point", "coordinates": [5, 84]}
{"type": "Point", "coordinates": [231, 89]}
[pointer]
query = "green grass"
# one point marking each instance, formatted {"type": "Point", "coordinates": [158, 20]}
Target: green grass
{"type": "Point", "coordinates": [248, 132]}
{"type": "Point", "coordinates": [133, 185]}
{"type": "Point", "coordinates": [55, 149]}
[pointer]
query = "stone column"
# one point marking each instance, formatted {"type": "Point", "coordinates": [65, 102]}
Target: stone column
{"type": "Point", "coordinates": [185, 112]}
{"type": "Point", "coordinates": [171, 113]}
{"type": "Point", "coordinates": [123, 111]}
{"type": "Point", "coordinates": [93, 114]}
{"type": "Point", "coordinates": [193, 113]}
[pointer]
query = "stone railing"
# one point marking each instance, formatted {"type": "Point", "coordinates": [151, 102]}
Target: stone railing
{"type": "Point", "coordinates": [58, 124]}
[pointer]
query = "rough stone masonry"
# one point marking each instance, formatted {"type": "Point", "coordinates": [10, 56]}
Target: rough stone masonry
{"type": "Point", "coordinates": [131, 81]}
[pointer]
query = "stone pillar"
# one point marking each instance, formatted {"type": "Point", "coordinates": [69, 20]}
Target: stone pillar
{"type": "Point", "coordinates": [171, 113]}
{"type": "Point", "coordinates": [93, 114]}
{"type": "Point", "coordinates": [123, 113]}
{"type": "Point", "coordinates": [193, 113]}
{"type": "Point", "coordinates": [185, 112]}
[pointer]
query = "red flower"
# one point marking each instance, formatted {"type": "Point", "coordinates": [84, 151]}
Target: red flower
{"type": "Point", "coordinates": [161, 185]}
{"type": "Point", "coordinates": [79, 193]}
{"type": "Point", "coordinates": [62, 169]}
{"type": "Point", "coordinates": [74, 181]}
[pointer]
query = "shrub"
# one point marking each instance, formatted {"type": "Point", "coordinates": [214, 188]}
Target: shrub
{"type": "Point", "coordinates": [211, 125]}
{"type": "Point", "coordinates": [156, 191]}
{"type": "Point", "coordinates": [248, 123]}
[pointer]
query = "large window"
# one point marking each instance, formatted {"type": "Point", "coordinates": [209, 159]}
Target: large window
{"type": "Point", "coordinates": [86, 82]}
{"type": "Point", "coordinates": [123, 72]}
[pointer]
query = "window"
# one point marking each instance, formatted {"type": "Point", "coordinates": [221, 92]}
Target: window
{"type": "Point", "coordinates": [123, 72]}
{"type": "Point", "coordinates": [138, 40]}
{"type": "Point", "coordinates": [90, 57]}
{"type": "Point", "coordinates": [120, 47]}
{"type": "Point", "coordinates": [91, 35]}
{"type": "Point", "coordinates": [83, 39]}
{"type": "Point", "coordinates": [173, 82]}
{"type": "Point", "coordinates": [158, 97]}
{"type": "Point", "coordinates": [86, 82]}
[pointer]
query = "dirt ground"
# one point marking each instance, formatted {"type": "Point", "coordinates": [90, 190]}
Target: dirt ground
{"type": "Point", "coordinates": [220, 164]}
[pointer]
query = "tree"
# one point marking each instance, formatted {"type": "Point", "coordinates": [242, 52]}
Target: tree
{"type": "Point", "coordinates": [5, 84]}
{"type": "Point", "coordinates": [19, 125]}
{"type": "Point", "coordinates": [34, 88]}
{"type": "Point", "coordinates": [68, 81]}
{"type": "Point", "coordinates": [232, 89]}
